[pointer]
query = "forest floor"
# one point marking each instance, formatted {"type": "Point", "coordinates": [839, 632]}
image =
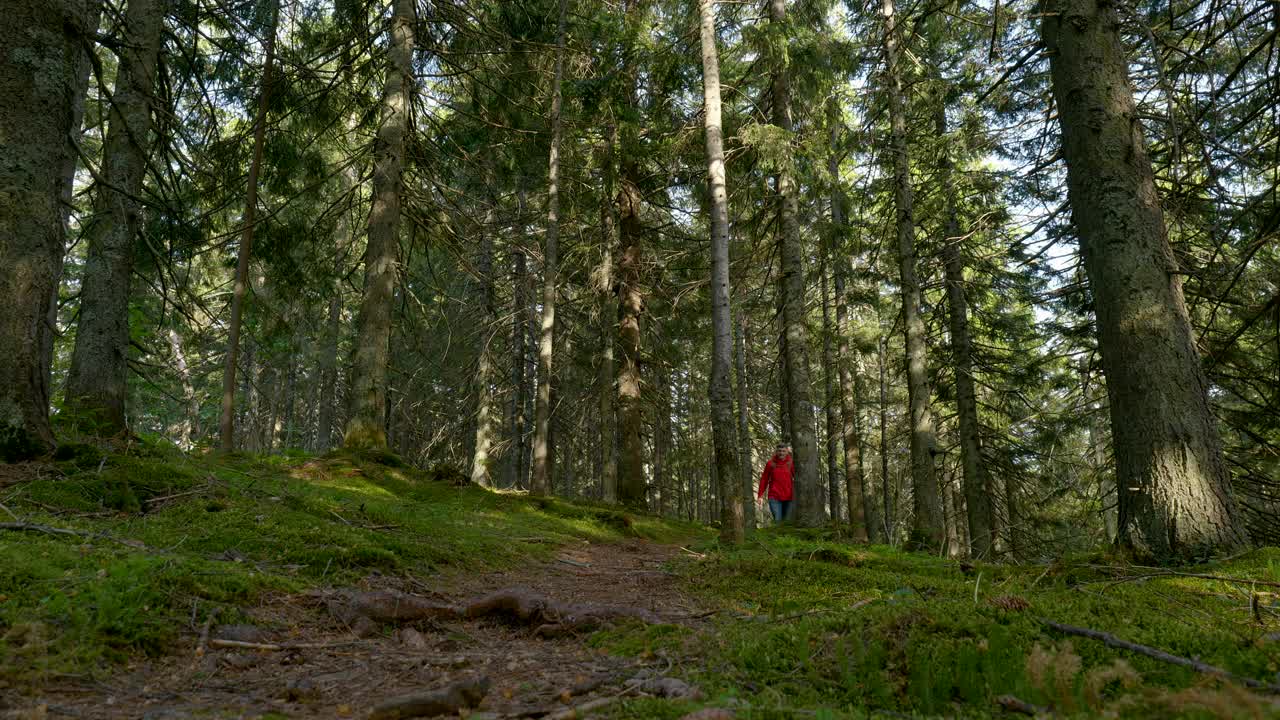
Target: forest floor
{"type": "Point", "coordinates": [143, 583]}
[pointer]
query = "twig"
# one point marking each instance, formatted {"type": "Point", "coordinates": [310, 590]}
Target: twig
{"type": "Point", "coordinates": [579, 711]}
{"type": "Point", "coordinates": [274, 647]}
{"type": "Point", "coordinates": [344, 520]}
{"type": "Point", "coordinates": [15, 517]}
{"type": "Point", "coordinates": [574, 563]}
{"type": "Point", "coordinates": [1156, 654]}
{"type": "Point", "coordinates": [695, 554]}
{"type": "Point", "coordinates": [163, 498]}
{"type": "Point", "coordinates": [31, 527]}
{"type": "Point", "coordinates": [204, 636]}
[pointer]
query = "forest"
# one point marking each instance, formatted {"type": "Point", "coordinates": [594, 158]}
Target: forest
{"type": "Point", "coordinates": [1004, 275]}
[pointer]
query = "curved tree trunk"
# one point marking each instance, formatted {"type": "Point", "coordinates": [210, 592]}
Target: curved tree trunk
{"type": "Point", "coordinates": [927, 526]}
{"type": "Point", "coordinates": [539, 483]}
{"type": "Point", "coordinates": [369, 377]}
{"type": "Point", "coordinates": [723, 430]}
{"type": "Point", "coordinates": [809, 501]}
{"type": "Point", "coordinates": [36, 119]}
{"type": "Point", "coordinates": [1175, 493]}
{"type": "Point", "coordinates": [97, 384]}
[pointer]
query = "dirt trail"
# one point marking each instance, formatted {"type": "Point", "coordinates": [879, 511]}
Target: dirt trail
{"type": "Point", "coordinates": [345, 675]}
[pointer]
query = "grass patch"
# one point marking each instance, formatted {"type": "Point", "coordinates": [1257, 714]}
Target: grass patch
{"type": "Point", "coordinates": [815, 628]}
{"type": "Point", "coordinates": [165, 538]}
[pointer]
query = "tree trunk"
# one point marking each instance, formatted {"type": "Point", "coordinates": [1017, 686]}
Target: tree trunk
{"type": "Point", "coordinates": [97, 384]}
{"type": "Point", "coordinates": [927, 525]}
{"type": "Point", "coordinates": [329, 374]}
{"type": "Point", "coordinates": [723, 430]}
{"type": "Point", "coordinates": [631, 482]}
{"type": "Point", "coordinates": [185, 428]}
{"type": "Point", "coordinates": [369, 381]}
{"type": "Point", "coordinates": [828, 372]}
{"type": "Point", "coordinates": [538, 483]}
{"type": "Point", "coordinates": [977, 485]}
{"type": "Point", "coordinates": [745, 464]}
{"type": "Point", "coordinates": [809, 503]}
{"type": "Point", "coordinates": [484, 372]}
{"type": "Point", "coordinates": [885, 481]}
{"type": "Point", "coordinates": [1175, 493]}
{"type": "Point", "coordinates": [70, 161]}
{"type": "Point", "coordinates": [608, 315]}
{"type": "Point", "coordinates": [850, 427]}
{"type": "Point", "coordinates": [226, 427]}
{"type": "Point", "coordinates": [519, 376]}
{"type": "Point", "coordinates": [43, 45]}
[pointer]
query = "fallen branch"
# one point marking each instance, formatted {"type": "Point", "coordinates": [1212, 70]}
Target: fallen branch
{"type": "Point", "coordinates": [450, 700]}
{"type": "Point", "coordinates": [549, 617]}
{"type": "Point", "coordinates": [32, 527]}
{"type": "Point", "coordinates": [275, 647]}
{"type": "Point", "coordinates": [1156, 654]}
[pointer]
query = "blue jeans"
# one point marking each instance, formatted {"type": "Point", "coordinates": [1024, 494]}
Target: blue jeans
{"type": "Point", "coordinates": [781, 509]}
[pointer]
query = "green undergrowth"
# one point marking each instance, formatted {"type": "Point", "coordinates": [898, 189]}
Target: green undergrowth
{"type": "Point", "coordinates": [161, 539]}
{"type": "Point", "coordinates": [814, 628]}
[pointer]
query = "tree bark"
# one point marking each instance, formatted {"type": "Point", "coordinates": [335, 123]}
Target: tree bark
{"type": "Point", "coordinates": [185, 428]}
{"type": "Point", "coordinates": [484, 371]}
{"type": "Point", "coordinates": [631, 481]}
{"type": "Point", "coordinates": [1175, 493]}
{"type": "Point", "coordinates": [520, 348]}
{"type": "Point", "coordinates": [855, 478]}
{"type": "Point", "coordinates": [226, 427]}
{"type": "Point", "coordinates": [829, 371]}
{"type": "Point", "coordinates": [723, 430]}
{"type": "Point", "coordinates": [809, 502]}
{"type": "Point", "coordinates": [608, 440]}
{"type": "Point", "coordinates": [369, 380]}
{"type": "Point", "coordinates": [745, 464]}
{"type": "Point", "coordinates": [886, 483]}
{"type": "Point", "coordinates": [43, 43]}
{"type": "Point", "coordinates": [97, 384]}
{"type": "Point", "coordinates": [538, 482]}
{"type": "Point", "coordinates": [927, 524]}
{"type": "Point", "coordinates": [976, 483]}
{"type": "Point", "coordinates": [329, 374]}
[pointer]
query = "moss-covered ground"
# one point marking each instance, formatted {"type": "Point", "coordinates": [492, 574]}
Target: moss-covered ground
{"type": "Point", "coordinates": [815, 628]}
{"type": "Point", "coordinates": [164, 539]}
{"type": "Point", "coordinates": [801, 624]}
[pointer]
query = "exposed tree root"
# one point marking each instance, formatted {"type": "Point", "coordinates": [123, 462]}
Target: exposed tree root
{"type": "Point", "coordinates": [450, 700]}
{"type": "Point", "coordinates": [551, 618]}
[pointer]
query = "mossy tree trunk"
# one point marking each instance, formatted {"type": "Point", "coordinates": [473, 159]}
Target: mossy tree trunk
{"type": "Point", "coordinates": [369, 379]}
{"type": "Point", "coordinates": [97, 384]}
{"type": "Point", "coordinates": [631, 481]}
{"type": "Point", "coordinates": [608, 433]}
{"type": "Point", "coordinates": [1175, 493]}
{"type": "Point", "coordinates": [43, 44]}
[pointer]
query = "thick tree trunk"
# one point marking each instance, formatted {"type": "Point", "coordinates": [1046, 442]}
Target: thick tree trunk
{"type": "Point", "coordinates": [977, 485]}
{"type": "Point", "coordinates": [829, 372]}
{"type": "Point", "coordinates": [184, 429]}
{"type": "Point", "coordinates": [43, 43]}
{"type": "Point", "coordinates": [538, 482]}
{"type": "Point", "coordinates": [1175, 493]}
{"type": "Point", "coordinates": [70, 161]}
{"type": "Point", "coordinates": [365, 428]}
{"type": "Point", "coordinates": [608, 439]}
{"type": "Point", "coordinates": [226, 427]}
{"type": "Point", "coordinates": [927, 525]}
{"type": "Point", "coordinates": [97, 384]}
{"type": "Point", "coordinates": [809, 501]}
{"type": "Point", "coordinates": [745, 464]}
{"type": "Point", "coordinates": [723, 430]}
{"type": "Point", "coordinates": [480, 459]}
{"type": "Point", "coordinates": [631, 481]}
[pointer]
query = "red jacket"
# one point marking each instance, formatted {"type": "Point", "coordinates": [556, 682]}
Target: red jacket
{"type": "Point", "coordinates": [777, 478]}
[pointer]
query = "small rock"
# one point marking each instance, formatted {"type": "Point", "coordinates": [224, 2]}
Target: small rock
{"type": "Point", "coordinates": [300, 690]}
{"type": "Point", "coordinates": [239, 661]}
{"type": "Point", "coordinates": [411, 639]}
{"type": "Point", "coordinates": [363, 627]}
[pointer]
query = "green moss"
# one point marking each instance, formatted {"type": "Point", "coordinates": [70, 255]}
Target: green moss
{"type": "Point", "coordinates": [175, 532]}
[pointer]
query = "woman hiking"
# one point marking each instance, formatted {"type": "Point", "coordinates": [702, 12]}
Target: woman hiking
{"type": "Point", "coordinates": [776, 481]}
